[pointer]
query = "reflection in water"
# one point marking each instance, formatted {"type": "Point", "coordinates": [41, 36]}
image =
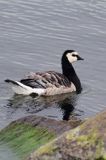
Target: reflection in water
{"type": "Point", "coordinates": [67, 107]}
{"type": "Point", "coordinates": [65, 103]}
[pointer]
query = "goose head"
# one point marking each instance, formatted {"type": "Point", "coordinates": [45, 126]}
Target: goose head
{"type": "Point", "coordinates": [71, 56]}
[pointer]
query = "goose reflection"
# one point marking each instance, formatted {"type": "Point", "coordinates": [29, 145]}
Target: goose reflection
{"type": "Point", "coordinates": [34, 105]}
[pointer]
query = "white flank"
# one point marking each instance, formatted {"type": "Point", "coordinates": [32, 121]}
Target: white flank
{"type": "Point", "coordinates": [20, 88]}
{"type": "Point", "coordinates": [26, 90]}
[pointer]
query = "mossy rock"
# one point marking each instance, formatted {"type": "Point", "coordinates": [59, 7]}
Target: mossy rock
{"type": "Point", "coordinates": [86, 142]}
{"type": "Point", "coordinates": [24, 139]}
{"type": "Point", "coordinates": [27, 134]}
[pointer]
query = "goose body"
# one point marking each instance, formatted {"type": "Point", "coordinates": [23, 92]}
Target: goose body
{"type": "Point", "coordinates": [51, 82]}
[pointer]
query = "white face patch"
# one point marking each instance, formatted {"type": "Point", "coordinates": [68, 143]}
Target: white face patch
{"type": "Point", "coordinates": [72, 58]}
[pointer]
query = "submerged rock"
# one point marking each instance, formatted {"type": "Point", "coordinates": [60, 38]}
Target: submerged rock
{"type": "Point", "coordinates": [29, 133]}
{"type": "Point", "coordinates": [86, 142]}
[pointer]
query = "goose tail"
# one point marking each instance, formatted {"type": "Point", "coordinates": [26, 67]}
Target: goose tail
{"type": "Point", "coordinates": [20, 88]}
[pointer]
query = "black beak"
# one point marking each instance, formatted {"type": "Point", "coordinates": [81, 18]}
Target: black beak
{"type": "Point", "coordinates": [80, 58]}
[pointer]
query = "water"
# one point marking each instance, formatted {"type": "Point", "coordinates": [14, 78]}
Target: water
{"type": "Point", "coordinates": [33, 36]}
{"type": "Point", "coordinates": [7, 153]}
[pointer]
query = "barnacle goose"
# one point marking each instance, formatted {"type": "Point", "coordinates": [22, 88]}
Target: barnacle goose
{"type": "Point", "coordinates": [50, 82]}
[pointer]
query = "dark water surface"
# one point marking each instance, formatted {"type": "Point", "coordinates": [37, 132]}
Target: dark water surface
{"type": "Point", "coordinates": [33, 36]}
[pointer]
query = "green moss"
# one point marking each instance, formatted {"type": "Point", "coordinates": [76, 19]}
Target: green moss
{"type": "Point", "coordinates": [72, 134]}
{"type": "Point", "coordinates": [104, 156]}
{"type": "Point", "coordinates": [49, 148]}
{"type": "Point", "coordinates": [24, 138]}
{"type": "Point", "coordinates": [90, 140]}
{"type": "Point", "coordinates": [101, 158]}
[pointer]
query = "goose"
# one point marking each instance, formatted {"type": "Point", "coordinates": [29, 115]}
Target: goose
{"type": "Point", "coordinates": [51, 83]}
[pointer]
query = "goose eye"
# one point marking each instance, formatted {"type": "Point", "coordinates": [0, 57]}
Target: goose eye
{"type": "Point", "coordinates": [73, 55]}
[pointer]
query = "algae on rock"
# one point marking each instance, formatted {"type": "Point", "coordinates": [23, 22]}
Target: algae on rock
{"type": "Point", "coordinates": [24, 139]}
{"type": "Point", "coordinates": [29, 133]}
{"type": "Point", "coordinates": [86, 142]}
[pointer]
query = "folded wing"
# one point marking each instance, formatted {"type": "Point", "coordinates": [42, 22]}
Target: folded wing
{"type": "Point", "coordinates": [46, 80]}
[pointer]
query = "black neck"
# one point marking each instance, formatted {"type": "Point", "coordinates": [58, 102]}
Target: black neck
{"type": "Point", "coordinates": [70, 73]}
